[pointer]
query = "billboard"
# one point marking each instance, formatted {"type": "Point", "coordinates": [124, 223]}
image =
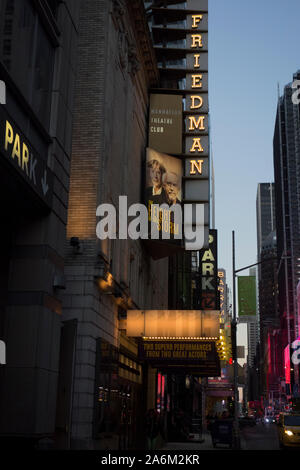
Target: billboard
{"type": "Point", "coordinates": [163, 199]}
{"type": "Point", "coordinates": [247, 295]}
{"type": "Point", "coordinates": [165, 123]}
{"type": "Point", "coordinates": [163, 179]}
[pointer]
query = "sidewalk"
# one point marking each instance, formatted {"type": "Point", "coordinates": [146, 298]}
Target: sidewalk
{"type": "Point", "coordinates": [206, 445]}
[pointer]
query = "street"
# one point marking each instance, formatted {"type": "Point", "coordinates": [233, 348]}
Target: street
{"type": "Point", "coordinates": [259, 437]}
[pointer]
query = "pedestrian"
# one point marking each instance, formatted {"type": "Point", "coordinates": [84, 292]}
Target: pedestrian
{"type": "Point", "coordinates": [152, 428]}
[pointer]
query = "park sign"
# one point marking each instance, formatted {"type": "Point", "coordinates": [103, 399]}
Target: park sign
{"type": "Point", "coordinates": [208, 293]}
{"type": "Point", "coordinates": [25, 162]}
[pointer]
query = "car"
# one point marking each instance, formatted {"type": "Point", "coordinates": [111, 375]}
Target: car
{"type": "Point", "coordinates": [289, 430]}
{"type": "Point", "coordinates": [268, 419]}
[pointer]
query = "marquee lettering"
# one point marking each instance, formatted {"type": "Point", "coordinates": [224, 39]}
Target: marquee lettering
{"type": "Point", "coordinates": [196, 99]}
{"type": "Point", "coordinates": [196, 81]}
{"type": "Point", "coordinates": [196, 63]}
{"type": "Point", "coordinates": [196, 41]}
{"type": "Point", "coordinates": [197, 124]}
{"type": "Point", "coordinates": [196, 165]}
{"type": "Point", "coordinates": [196, 20]}
{"type": "Point", "coordinates": [196, 145]}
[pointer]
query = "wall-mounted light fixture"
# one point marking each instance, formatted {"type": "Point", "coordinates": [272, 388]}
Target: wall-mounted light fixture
{"type": "Point", "coordinates": [76, 244]}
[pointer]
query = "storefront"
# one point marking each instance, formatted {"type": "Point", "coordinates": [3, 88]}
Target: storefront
{"type": "Point", "coordinates": [119, 407]}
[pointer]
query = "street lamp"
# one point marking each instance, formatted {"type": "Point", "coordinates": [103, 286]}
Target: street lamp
{"type": "Point", "coordinates": [234, 346]}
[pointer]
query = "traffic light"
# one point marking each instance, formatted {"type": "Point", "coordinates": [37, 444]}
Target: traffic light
{"type": "Point", "coordinates": [233, 339]}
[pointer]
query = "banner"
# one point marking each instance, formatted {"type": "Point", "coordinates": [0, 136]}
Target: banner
{"type": "Point", "coordinates": [163, 197]}
{"type": "Point", "coordinates": [247, 295]}
{"type": "Point", "coordinates": [165, 123]}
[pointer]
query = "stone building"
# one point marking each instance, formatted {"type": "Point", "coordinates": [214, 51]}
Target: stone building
{"type": "Point", "coordinates": [104, 380]}
{"type": "Point", "coordinates": [38, 43]}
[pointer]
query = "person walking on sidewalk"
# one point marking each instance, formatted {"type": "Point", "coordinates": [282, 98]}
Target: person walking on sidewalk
{"type": "Point", "coordinates": [152, 428]}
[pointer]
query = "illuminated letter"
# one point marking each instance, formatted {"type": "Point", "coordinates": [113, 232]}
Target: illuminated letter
{"type": "Point", "coordinates": [199, 124]}
{"type": "Point", "coordinates": [207, 269]}
{"type": "Point", "coordinates": [197, 145]}
{"type": "Point", "coordinates": [196, 20]}
{"type": "Point", "coordinates": [208, 255]}
{"type": "Point", "coordinates": [196, 165]}
{"type": "Point", "coordinates": [25, 158]}
{"type": "Point", "coordinates": [196, 40]}
{"type": "Point", "coordinates": [194, 98]}
{"type": "Point", "coordinates": [196, 81]}
{"type": "Point", "coordinates": [16, 149]}
{"type": "Point", "coordinates": [9, 135]}
{"type": "Point", "coordinates": [196, 64]}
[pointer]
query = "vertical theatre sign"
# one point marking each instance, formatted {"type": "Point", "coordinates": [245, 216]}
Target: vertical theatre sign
{"type": "Point", "coordinates": [196, 137]}
{"type": "Point", "coordinates": [179, 127]}
{"type": "Point", "coordinates": [209, 298]}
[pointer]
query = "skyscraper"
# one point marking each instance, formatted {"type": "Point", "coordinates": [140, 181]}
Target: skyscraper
{"type": "Point", "coordinates": [265, 212]}
{"type": "Point", "coordinates": [267, 280]}
{"type": "Point", "coordinates": [287, 197]}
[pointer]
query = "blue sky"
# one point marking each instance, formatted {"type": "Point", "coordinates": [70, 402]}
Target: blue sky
{"type": "Point", "coordinates": [253, 46]}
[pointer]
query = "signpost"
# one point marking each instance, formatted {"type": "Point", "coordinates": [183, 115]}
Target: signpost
{"type": "Point", "coordinates": [27, 164]}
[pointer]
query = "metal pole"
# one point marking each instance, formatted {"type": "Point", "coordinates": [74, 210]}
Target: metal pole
{"type": "Point", "coordinates": [235, 363]}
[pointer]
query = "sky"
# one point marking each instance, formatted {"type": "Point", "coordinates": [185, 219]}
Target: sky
{"type": "Point", "coordinates": [253, 46]}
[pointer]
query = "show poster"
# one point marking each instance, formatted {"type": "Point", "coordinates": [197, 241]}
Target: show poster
{"type": "Point", "coordinates": [163, 197]}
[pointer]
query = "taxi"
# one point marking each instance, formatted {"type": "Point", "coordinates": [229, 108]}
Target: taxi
{"type": "Point", "coordinates": [289, 430]}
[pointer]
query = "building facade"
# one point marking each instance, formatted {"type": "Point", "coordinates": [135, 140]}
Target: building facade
{"type": "Point", "coordinates": [287, 185]}
{"type": "Point", "coordinates": [38, 44]}
{"type": "Point", "coordinates": [104, 278]}
{"type": "Point", "coordinates": [267, 284]}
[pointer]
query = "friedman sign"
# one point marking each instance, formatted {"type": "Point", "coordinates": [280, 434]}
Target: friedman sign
{"type": "Point", "coordinates": [176, 210]}
{"type": "Point", "coordinates": [196, 161]}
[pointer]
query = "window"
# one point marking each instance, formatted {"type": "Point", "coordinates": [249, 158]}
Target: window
{"type": "Point", "coordinates": [53, 5]}
{"type": "Point", "coordinates": [28, 55]}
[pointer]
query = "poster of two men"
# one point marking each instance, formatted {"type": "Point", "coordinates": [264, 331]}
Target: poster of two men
{"type": "Point", "coordinates": [163, 186]}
